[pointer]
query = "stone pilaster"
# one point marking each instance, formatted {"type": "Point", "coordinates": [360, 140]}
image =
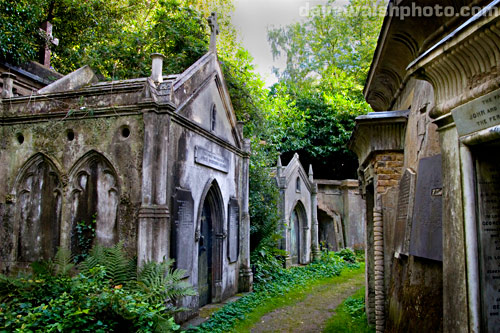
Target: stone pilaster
{"type": "Point", "coordinates": [153, 241]}
{"type": "Point", "coordinates": [246, 275]}
{"type": "Point", "coordinates": [316, 254]}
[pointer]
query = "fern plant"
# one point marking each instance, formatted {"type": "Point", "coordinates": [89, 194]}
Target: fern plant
{"type": "Point", "coordinates": [119, 269]}
{"type": "Point", "coordinates": [163, 284]}
{"type": "Point", "coordinates": [107, 295]}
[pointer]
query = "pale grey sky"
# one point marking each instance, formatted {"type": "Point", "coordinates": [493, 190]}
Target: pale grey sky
{"type": "Point", "coordinates": [252, 18]}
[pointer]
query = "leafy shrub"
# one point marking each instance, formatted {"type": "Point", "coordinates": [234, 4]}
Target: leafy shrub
{"type": "Point", "coordinates": [355, 306]}
{"type": "Point", "coordinates": [347, 255]}
{"type": "Point", "coordinates": [107, 295]}
{"type": "Point", "coordinates": [360, 255]}
{"type": "Point", "coordinates": [266, 263]}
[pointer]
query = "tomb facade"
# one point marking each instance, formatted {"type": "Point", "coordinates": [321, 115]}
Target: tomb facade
{"type": "Point", "coordinates": [157, 163]}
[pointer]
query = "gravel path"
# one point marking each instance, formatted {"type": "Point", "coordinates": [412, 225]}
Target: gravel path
{"type": "Point", "coordinates": [310, 314]}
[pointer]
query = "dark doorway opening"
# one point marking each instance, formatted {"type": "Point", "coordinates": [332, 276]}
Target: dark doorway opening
{"type": "Point", "coordinates": [210, 246]}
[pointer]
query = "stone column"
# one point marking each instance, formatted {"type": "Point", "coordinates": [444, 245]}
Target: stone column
{"type": "Point", "coordinates": [246, 275]}
{"type": "Point", "coordinates": [378, 231]}
{"type": "Point", "coordinates": [316, 254]}
{"type": "Point", "coordinates": [281, 208]}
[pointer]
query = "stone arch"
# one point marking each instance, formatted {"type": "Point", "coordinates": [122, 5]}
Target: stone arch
{"type": "Point", "coordinates": [327, 232]}
{"type": "Point", "coordinates": [94, 196]}
{"type": "Point", "coordinates": [38, 189]}
{"type": "Point", "coordinates": [297, 238]}
{"type": "Point", "coordinates": [210, 236]}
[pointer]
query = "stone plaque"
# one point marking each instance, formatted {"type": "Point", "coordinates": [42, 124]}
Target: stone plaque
{"type": "Point", "coordinates": [488, 196]}
{"type": "Point", "coordinates": [183, 242]}
{"type": "Point", "coordinates": [233, 244]}
{"type": "Point", "coordinates": [404, 212]}
{"type": "Point", "coordinates": [481, 113]}
{"type": "Point", "coordinates": [211, 160]}
{"type": "Point", "coordinates": [427, 231]}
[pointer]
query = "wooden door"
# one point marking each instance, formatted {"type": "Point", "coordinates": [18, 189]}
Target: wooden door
{"type": "Point", "coordinates": [205, 257]}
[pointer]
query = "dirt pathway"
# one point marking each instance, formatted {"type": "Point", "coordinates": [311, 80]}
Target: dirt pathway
{"type": "Point", "coordinates": [310, 314]}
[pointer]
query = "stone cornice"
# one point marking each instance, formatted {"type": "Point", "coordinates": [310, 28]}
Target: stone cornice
{"type": "Point", "coordinates": [378, 131]}
{"type": "Point", "coordinates": [464, 66]}
{"type": "Point", "coordinates": [401, 41]}
{"type": "Point", "coordinates": [128, 110]}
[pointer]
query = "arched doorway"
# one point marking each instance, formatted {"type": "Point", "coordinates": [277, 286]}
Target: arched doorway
{"type": "Point", "coordinates": [210, 246]}
{"type": "Point", "coordinates": [294, 237]}
{"type": "Point", "coordinates": [297, 221]}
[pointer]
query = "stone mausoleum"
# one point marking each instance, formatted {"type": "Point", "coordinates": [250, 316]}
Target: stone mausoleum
{"type": "Point", "coordinates": [317, 214]}
{"type": "Point", "coordinates": [157, 163]}
{"type": "Point", "coordinates": [429, 167]}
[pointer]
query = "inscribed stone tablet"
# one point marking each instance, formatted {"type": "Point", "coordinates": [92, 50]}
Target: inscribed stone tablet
{"type": "Point", "coordinates": [481, 113]}
{"type": "Point", "coordinates": [233, 230]}
{"type": "Point", "coordinates": [488, 191]}
{"type": "Point", "coordinates": [427, 230]}
{"type": "Point", "coordinates": [183, 230]}
{"type": "Point", "coordinates": [211, 160]}
{"type": "Point", "coordinates": [404, 216]}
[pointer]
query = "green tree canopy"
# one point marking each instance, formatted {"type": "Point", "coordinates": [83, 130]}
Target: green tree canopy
{"type": "Point", "coordinates": [327, 59]}
{"type": "Point", "coordinates": [116, 38]}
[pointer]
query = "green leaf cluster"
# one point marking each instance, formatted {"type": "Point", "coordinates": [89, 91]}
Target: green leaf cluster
{"type": "Point", "coordinates": [20, 21]}
{"type": "Point", "coordinates": [108, 294]}
{"type": "Point", "coordinates": [327, 60]}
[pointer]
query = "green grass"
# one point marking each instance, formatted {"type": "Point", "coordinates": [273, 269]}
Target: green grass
{"type": "Point", "coordinates": [294, 296]}
{"type": "Point", "coordinates": [278, 288]}
{"type": "Point", "coordinates": [350, 316]}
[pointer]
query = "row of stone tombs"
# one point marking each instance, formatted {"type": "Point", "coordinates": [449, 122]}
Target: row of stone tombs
{"type": "Point", "coordinates": [330, 233]}
{"type": "Point", "coordinates": [89, 198]}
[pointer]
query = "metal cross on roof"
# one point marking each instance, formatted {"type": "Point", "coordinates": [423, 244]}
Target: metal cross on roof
{"type": "Point", "coordinates": [214, 26]}
{"type": "Point", "coordinates": [46, 32]}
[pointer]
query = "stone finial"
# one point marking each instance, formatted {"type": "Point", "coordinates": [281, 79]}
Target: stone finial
{"type": "Point", "coordinates": [8, 85]}
{"type": "Point", "coordinates": [214, 27]}
{"type": "Point", "coordinates": [311, 174]}
{"type": "Point", "coordinates": [279, 161]}
{"type": "Point", "coordinates": [157, 67]}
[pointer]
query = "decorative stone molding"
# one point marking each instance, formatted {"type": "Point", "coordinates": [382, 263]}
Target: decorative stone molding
{"type": "Point", "coordinates": [463, 66]}
{"type": "Point", "coordinates": [378, 131]}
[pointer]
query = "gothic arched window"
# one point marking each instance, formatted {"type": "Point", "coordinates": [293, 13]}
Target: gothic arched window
{"type": "Point", "coordinates": [213, 118]}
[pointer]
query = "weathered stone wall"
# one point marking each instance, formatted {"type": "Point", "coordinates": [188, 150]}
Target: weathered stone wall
{"type": "Point", "coordinates": [413, 284]}
{"type": "Point", "coordinates": [342, 202]}
{"type": "Point", "coordinates": [67, 145]}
